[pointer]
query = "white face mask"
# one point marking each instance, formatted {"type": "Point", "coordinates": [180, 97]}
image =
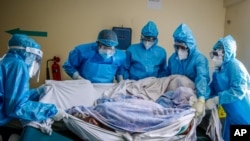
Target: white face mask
{"type": "Point", "coordinates": [106, 53]}
{"type": "Point", "coordinates": [217, 61]}
{"type": "Point", "coordinates": [182, 54]}
{"type": "Point", "coordinates": [147, 44]}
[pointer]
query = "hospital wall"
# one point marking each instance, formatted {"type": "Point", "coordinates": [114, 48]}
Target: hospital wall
{"type": "Point", "coordinates": [237, 23]}
{"type": "Point", "coordinates": [72, 22]}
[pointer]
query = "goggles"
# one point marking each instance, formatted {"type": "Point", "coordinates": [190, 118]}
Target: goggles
{"type": "Point", "coordinates": [106, 47]}
{"type": "Point", "coordinates": [216, 53]}
{"type": "Point", "coordinates": [148, 38]}
{"type": "Point", "coordinates": [181, 46]}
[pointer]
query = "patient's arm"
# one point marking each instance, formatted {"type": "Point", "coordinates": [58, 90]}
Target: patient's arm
{"type": "Point", "coordinates": [92, 120]}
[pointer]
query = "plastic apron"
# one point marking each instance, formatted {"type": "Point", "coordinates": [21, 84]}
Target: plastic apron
{"type": "Point", "coordinates": [238, 112]}
{"type": "Point", "coordinates": [99, 73]}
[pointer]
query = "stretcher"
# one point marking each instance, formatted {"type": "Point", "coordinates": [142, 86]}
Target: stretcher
{"type": "Point", "coordinates": [68, 93]}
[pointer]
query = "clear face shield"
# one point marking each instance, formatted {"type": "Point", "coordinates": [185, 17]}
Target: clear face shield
{"type": "Point", "coordinates": [36, 56]}
{"type": "Point", "coordinates": [34, 71]}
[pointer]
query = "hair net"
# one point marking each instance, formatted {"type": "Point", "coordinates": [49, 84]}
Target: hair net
{"type": "Point", "coordinates": [24, 41]}
{"type": "Point", "coordinates": [108, 38]}
{"type": "Point", "coordinates": [150, 29]}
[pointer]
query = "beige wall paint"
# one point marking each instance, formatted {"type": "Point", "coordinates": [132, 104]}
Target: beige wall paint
{"type": "Point", "coordinates": [72, 22]}
{"type": "Point", "coordinates": [237, 24]}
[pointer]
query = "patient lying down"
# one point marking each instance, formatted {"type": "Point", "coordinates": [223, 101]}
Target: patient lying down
{"type": "Point", "coordinates": [133, 114]}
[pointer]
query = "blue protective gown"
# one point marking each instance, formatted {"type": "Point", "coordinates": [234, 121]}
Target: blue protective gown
{"type": "Point", "coordinates": [142, 62]}
{"type": "Point", "coordinates": [232, 84]}
{"type": "Point", "coordinates": [195, 67]}
{"type": "Point", "coordinates": [88, 62]}
{"type": "Point", "coordinates": [17, 100]}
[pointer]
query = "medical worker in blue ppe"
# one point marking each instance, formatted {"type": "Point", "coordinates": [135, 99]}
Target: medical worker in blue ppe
{"type": "Point", "coordinates": [230, 85]}
{"type": "Point", "coordinates": [147, 58]}
{"type": "Point", "coordinates": [189, 61]}
{"type": "Point", "coordinates": [98, 62]}
{"type": "Point", "coordinates": [17, 100]}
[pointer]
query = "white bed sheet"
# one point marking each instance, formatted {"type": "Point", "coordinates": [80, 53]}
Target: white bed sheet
{"type": "Point", "coordinates": [68, 93]}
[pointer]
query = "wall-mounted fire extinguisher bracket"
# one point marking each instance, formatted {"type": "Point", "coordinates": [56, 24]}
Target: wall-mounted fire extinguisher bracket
{"type": "Point", "coordinates": [55, 69]}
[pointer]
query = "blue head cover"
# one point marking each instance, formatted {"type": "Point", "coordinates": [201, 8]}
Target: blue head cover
{"type": "Point", "coordinates": [150, 29]}
{"type": "Point", "coordinates": [23, 41]}
{"type": "Point", "coordinates": [229, 46]}
{"type": "Point", "coordinates": [183, 34]}
{"type": "Point", "coordinates": [108, 38]}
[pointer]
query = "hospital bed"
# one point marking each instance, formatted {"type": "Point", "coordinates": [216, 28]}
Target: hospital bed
{"type": "Point", "coordinates": [68, 93]}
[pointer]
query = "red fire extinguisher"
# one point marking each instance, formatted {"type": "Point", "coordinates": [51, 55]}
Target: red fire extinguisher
{"type": "Point", "coordinates": [55, 67]}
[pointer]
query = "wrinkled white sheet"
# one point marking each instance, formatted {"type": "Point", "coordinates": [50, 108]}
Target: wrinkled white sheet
{"type": "Point", "coordinates": [68, 93]}
{"type": "Point", "coordinates": [214, 129]}
{"type": "Point", "coordinates": [87, 131]}
{"type": "Point", "coordinates": [150, 88]}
